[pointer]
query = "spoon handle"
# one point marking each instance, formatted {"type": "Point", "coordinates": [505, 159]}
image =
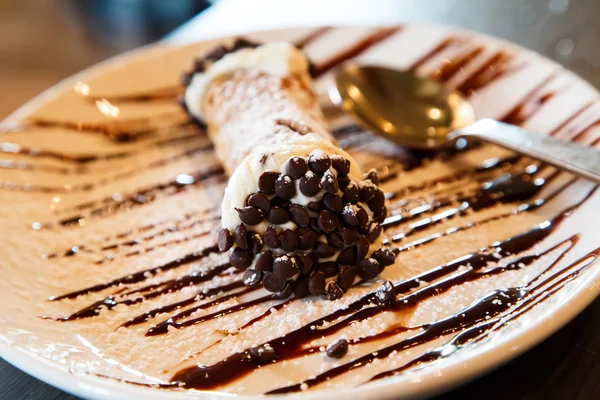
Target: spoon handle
{"type": "Point", "coordinates": [575, 158]}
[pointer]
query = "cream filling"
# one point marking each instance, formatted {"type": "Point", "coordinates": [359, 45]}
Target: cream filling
{"type": "Point", "coordinates": [277, 59]}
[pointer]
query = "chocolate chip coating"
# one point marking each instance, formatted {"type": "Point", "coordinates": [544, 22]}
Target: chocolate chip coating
{"type": "Point", "coordinates": [271, 238]}
{"type": "Point", "coordinates": [285, 267]}
{"type": "Point", "coordinates": [319, 162]}
{"type": "Point", "coordinates": [329, 268]}
{"type": "Point", "coordinates": [286, 292]}
{"type": "Point", "coordinates": [351, 193]}
{"type": "Point", "coordinates": [350, 215]}
{"type": "Point", "coordinates": [316, 283]}
{"type": "Point", "coordinates": [346, 276]}
{"type": "Point", "coordinates": [306, 238]}
{"type": "Point", "coordinates": [333, 291]}
{"type": "Point", "coordinates": [349, 235]}
{"type": "Point", "coordinates": [299, 215]}
{"type": "Point", "coordinates": [250, 215]}
{"type": "Point", "coordinates": [378, 200]}
{"type": "Point", "coordinates": [362, 217]}
{"type": "Point", "coordinates": [259, 201]}
{"type": "Point", "coordinates": [337, 349]}
{"type": "Point", "coordinates": [333, 202]}
{"type": "Point", "coordinates": [273, 283]}
{"type": "Point", "coordinates": [368, 268]}
{"type": "Point", "coordinates": [315, 206]}
{"type": "Point", "coordinates": [277, 216]}
{"type": "Point", "coordinates": [255, 242]}
{"type": "Point", "coordinates": [343, 182]}
{"type": "Point", "coordinates": [374, 231]}
{"type": "Point", "coordinates": [327, 221]}
{"type": "Point", "coordinates": [323, 250]}
{"type": "Point", "coordinates": [384, 257]}
{"type": "Point", "coordinates": [289, 240]}
{"type": "Point", "coordinates": [266, 182]}
{"type": "Point", "coordinates": [224, 239]}
{"type": "Point", "coordinates": [310, 184]}
{"type": "Point", "coordinates": [305, 262]}
{"type": "Point", "coordinates": [264, 262]}
{"type": "Point", "coordinates": [373, 176]}
{"type": "Point", "coordinates": [347, 256]}
{"type": "Point", "coordinates": [284, 187]}
{"type": "Point", "coordinates": [239, 235]}
{"type": "Point", "coordinates": [334, 239]}
{"type": "Point", "coordinates": [260, 355]}
{"type": "Point", "coordinates": [329, 183]}
{"type": "Point", "coordinates": [386, 293]}
{"type": "Point", "coordinates": [301, 287]}
{"type": "Point", "coordinates": [340, 164]}
{"type": "Point", "coordinates": [252, 277]}
{"type": "Point", "coordinates": [240, 258]}
{"type": "Point", "coordinates": [296, 167]}
{"type": "Point", "coordinates": [367, 191]}
{"type": "Point", "coordinates": [362, 247]}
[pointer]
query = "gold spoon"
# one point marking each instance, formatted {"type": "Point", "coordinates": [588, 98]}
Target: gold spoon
{"type": "Point", "coordinates": [421, 113]}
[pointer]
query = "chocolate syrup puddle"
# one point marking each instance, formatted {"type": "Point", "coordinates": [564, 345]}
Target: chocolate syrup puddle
{"type": "Point", "coordinates": [238, 365]}
{"type": "Point", "coordinates": [493, 69]}
{"type": "Point", "coordinates": [451, 67]}
{"type": "Point", "coordinates": [367, 42]}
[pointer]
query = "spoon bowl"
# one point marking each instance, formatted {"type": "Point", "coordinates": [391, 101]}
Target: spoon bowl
{"type": "Point", "coordinates": [422, 113]}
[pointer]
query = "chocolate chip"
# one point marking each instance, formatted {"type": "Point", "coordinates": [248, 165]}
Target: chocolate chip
{"type": "Point", "coordinates": [347, 256]}
{"type": "Point", "coordinates": [334, 239]}
{"type": "Point", "coordinates": [380, 215]}
{"type": "Point", "coordinates": [306, 238]}
{"type": "Point", "coordinates": [378, 201]}
{"type": "Point", "coordinates": [319, 162]}
{"type": "Point", "coordinates": [289, 240]}
{"type": "Point", "coordinates": [386, 293]}
{"type": "Point", "coordinates": [310, 184]}
{"type": "Point", "coordinates": [349, 235]}
{"type": "Point", "coordinates": [299, 215]}
{"type": "Point", "coordinates": [239, 235]}
{"type": "Point", "coordinates": [368, 268]}
{"type": "Point", "coordinates": [362, 217]}
{"type": "Point", "coordinates": [373, 176]}
{"type": "Point", "coordinates": [262, 354]}
{"type": "Point", "coordinates": [374, 231]}
{"type": "Point", "coordinates": [277, 216]}
{"type": "Point", "coordinates": [266, 182]}
{"type": "Point", "coordinates": [340, 164]}
{"type": "Point", "coordinates": [271, 238]}
{"type": "Point", "coordinates": [367, 191]}
{"type": "Point", "coordinates": [279, 202]}
{"type": "Point", "coordinates": [333, 291]}
{"type": "Point", "coordinates": [240, 258]}
{"type": "Point", "coordinates": [296, 167]}
{"type": "Point", "coordinates": [224, 239]}
{"type": "Point", "coordinates": [285, 267]}
{"type": "Point", "coordinates": [329, 183]}
{"type": "Point", "coordinates": [252, 277]}
{"type": "Point", "coordinates": [333, 202]}
{"type": "Point", "coordinates": [362, 247]}
{"type": "Point", "coordinates": [315, 206]}
{"type": "Point", "coordinates": [337, 349]}
{"type": "Point", "coordinates": [264, 262]}
{"type": "Point", "coordinates": [323, 250]}
{"type": "Point", "coordinates": [329, 268]}
{"type": "Point", "coordinates": [259, 201]}
{"type": "Point", "coordinates": [384, 257]}
{"type": "Point", "coordinates": [284, 187]}
{"type": "Point", "coordinates": [301, 287]}
{"type": "Point", "coordinates": [250, 215]}
{"type": "Point", "coordinates": [351, 193]}
{"type": "Point", "coordinates": [314, 225]}
{"type": "Point", "coordinates": [255, 242]}
{"type": "Point", "coordinates": [346, 276]}
{"type": "Point", "coordinates": [316, 283]}
{"type": "Point", "coordinates": [343, 182]}
{"type": "Point", "coordinates": [350, 214]}
{"type": "Point", "coordinates": [273, 283]}
{"type": "Point", "coordinates": [286, 292]}
{"type": "Point", "coordinates": [305, 262]}
{"type": "Point", "coordinates": [327, 220]}
{"type": "Point", "coordinates": [241, 43]}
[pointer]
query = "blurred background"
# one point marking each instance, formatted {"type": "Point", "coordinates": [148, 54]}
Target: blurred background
{"type": "Point", "coordinates": [42, 42]}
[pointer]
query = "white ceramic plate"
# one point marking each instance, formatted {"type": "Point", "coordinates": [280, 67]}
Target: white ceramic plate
{"type": "Point", "coordinates": [134, 208]}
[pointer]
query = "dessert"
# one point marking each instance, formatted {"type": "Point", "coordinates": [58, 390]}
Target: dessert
{"type": "Point", "coordinates": [298, 214]}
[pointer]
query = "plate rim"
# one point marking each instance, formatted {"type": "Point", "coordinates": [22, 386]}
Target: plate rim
{"type": "Point", "coordinates": [487, 356]}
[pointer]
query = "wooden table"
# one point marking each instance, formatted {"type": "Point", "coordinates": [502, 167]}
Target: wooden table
{"type": "Point", "coordinates": [37, 49]}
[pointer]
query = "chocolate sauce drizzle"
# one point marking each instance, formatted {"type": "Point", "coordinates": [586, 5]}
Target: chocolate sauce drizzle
{"type": "Point", "coordinates": [502, 181]}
